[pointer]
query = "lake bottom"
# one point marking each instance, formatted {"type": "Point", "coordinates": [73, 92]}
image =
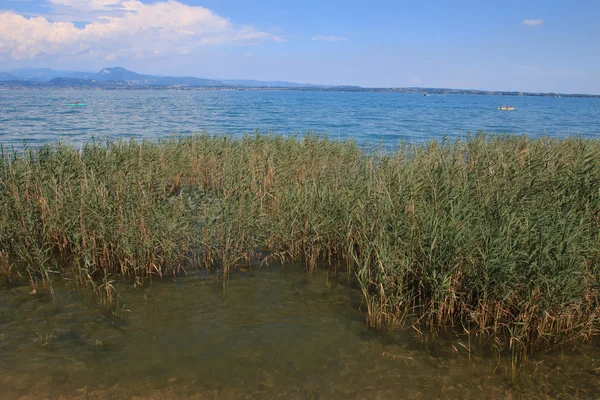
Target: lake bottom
{"type": "Point", "coordinates": [275, 332]}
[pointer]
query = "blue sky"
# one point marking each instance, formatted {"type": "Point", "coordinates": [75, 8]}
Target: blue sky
{"type": "Point", "coordinates": [505, 45]}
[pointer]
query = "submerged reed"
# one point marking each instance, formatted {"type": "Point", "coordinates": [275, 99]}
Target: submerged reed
{"type": "Point", "coordinates": [494, 237]}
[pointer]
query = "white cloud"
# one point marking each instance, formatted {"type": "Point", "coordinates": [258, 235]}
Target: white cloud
{"type": "Point", "coordinates": [88, 5]}
{"type": "Point", "coordinates": [329, 38]}
{"type": "Point", "coordinates": [249, 55]}
{"type": "Point", "coordinates": [137, 29]}
{"type": "Point", "coordinates": [533, 22]}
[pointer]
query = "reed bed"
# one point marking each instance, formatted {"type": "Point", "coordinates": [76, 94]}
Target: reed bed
{"type": "Point", "coordinates": [494, 237]}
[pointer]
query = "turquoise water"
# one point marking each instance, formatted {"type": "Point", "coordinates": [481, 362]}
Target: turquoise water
{"type": "Point", "coordinates": [42, 116]}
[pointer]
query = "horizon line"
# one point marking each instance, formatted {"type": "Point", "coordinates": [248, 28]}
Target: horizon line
{"type": "Point", "coordinates": [305, 85]}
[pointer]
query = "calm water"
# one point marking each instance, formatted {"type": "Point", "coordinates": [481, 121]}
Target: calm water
{"type": "Point", "coordinates": [273, 334]}
{"type": "Point", "coordinates": [41, 116]}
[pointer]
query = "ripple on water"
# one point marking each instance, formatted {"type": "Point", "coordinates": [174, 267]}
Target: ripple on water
{"type": "Point", "coordinates": [368, 116]}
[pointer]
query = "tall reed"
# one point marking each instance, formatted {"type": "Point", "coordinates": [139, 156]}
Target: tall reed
{"type": "Point", "coordinates": [497, 237]}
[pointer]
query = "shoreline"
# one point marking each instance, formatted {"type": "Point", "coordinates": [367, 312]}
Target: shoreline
{"type": "Point", "coordinates": [112, 86]}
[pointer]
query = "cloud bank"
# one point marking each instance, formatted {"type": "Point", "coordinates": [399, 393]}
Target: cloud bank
{"type": "Point", "coordinates": [116, 28]}
{"type": "Point", "coordinates": [533, 22]}
{"type": "Point", "coordinates": [329, 38]}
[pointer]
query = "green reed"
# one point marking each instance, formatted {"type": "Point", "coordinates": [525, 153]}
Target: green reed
{"type": "Point", "coordinates": [493, 237]}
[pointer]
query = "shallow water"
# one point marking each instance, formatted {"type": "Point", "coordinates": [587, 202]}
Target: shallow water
{"type": "Point", "coordinates": [274, 333]}
{"type": "Point", "coordinates": [38, 117]}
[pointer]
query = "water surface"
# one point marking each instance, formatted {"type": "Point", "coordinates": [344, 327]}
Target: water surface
{"type": "Point", "coordinates": [275, 333]}
{"type": "Point", "coordinates": [389, 118]}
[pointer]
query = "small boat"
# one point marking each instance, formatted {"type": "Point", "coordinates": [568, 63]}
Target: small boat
{"type": "Point", "coordinates": [77, 104]}
{"type": "Point", "coordinates": [506, 108]}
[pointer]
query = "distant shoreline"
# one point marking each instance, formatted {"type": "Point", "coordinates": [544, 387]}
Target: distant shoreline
{"type": "Point", "coordinates": [121, 85]}
{"type": "Point", "coordinates": [119, 78]}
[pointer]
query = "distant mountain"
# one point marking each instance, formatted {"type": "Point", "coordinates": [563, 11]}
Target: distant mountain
{"type": "Point", "coordinates": [254, 83]}
{"type": "Point", "coordinates": [36, 74]}
{"type": "Point", "coordinates": [49, 76]}
{"type": "Point", "coordinates": [119, 74]}
{"type": "Point", "coordinates": [122, 74]}
{"type": "Point", "coordinates": [184, 81]}
{"type": "Point", "coordinates": [118, 78]}
{"type": "Point", "coordinates": [68, 82]}
{"type": "Point", "coordinates": [79, 75]}
{"type": "Point", "coordinates": [5, 76]}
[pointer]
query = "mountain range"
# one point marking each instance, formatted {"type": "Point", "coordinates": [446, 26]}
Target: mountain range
{"type": "Point", "coordinates": [120, 78]}
{"type": "Point", "coordinates": [49, 77]}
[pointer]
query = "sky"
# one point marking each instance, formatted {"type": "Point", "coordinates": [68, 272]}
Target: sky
{"type": "Point", "coordinates": [524, 45]}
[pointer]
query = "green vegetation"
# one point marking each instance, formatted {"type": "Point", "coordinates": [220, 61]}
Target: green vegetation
{"type": "Point", "coordinates": [494, 237]}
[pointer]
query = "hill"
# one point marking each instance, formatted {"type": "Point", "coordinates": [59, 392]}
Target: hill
{"type": "Point", "coordinates": [119, 74]}
{"type": "Point", "coordinates": [5, 76]}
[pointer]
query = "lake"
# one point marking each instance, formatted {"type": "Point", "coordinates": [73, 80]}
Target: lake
{"type": "Point", "coordinates": [36, 117]}
{"type": "Point", "coordinates": [274, 333]}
